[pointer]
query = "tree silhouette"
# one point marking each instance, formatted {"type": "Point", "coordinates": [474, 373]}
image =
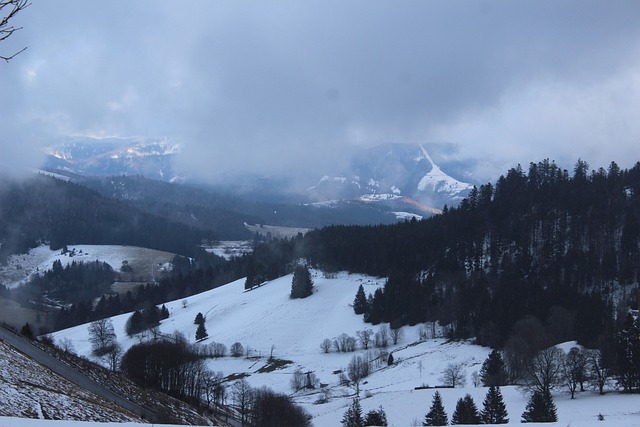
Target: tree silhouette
{"type": "Point", "coordinates": [494, 410]}
{"type": "Point", "coordinates": [540, 408]}
{"type": "Point", "coordinates": [436, 415]}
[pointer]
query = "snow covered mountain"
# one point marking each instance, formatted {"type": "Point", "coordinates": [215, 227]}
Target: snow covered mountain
{"type": "Point", "coordinates": [113, 156]}
{"type": "Point", "coordinates": [399, 174]}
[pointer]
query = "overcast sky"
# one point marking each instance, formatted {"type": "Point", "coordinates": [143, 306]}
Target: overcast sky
{"type": "Point", "coordinates": [293, 86]}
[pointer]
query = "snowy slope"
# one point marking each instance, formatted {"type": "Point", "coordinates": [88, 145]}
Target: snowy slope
{"type": "Point", "coordinates": [20, 268]}
{"type": "Point", "coordinates": [438, 181]}
{"type": "Point", "coordinates": [266, 317]}
{"type": "Point", "coordinates": [44, 394]}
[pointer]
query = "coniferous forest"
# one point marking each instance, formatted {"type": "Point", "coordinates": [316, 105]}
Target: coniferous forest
{"type": "Point", "coordinates": [542, 248]}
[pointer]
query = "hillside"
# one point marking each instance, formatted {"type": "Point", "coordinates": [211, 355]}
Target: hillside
{"type": "Point", "coordinates": [44, 209]}
{"type": "Point", "coordinates": [33, 391]}
{"type": "Point", "coordinates": [30, 390]}
{"type": "Point", "coordinates": [266, 321]}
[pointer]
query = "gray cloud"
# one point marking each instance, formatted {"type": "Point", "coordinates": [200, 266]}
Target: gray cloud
{"type": "Point", "coordinates": [295, 86]}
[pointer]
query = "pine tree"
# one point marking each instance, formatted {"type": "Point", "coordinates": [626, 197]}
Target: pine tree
{"type": "Point", "coordinates": [436, 415]}
{"type": "Point", "coordinates": [494, 410]}
{"type": "Point", "coordinates": [493, 371]}
{"type": "Point", "coordinates": [360, 305]}
{"type": "Point", "coordinates": [376, 418]}
{"type": "Point", "coordinates": [540, 409]}
{"type": "Point", "coordinates": [628, 355]}
{"type": "Point", "coordinates": [466, 412]}
{"type": "Point", "coordinates": [353, 416]}
{"type": "Point", "coordinates": [201, 332]}
{"type": "Point", "coordinates": [199, 320]}
{"type": "Point", "coordinates": [301, 285]}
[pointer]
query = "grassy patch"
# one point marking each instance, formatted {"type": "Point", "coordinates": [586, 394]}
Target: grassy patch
{"type": "Point", "coordinates": [273, 364]}
{"type": "Point", "coordinates": [237, 376]}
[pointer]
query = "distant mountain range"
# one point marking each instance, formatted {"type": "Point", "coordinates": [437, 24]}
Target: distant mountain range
{"type": "Point", "coordinates": [87, 156]}
{"type": "Point", "coordinates": [407, 179]}
{"type": "Point", "coordinates": [397, 174]}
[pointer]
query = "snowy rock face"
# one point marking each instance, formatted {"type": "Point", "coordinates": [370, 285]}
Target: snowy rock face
{"type": "Point", "coordinates": [398, 171]}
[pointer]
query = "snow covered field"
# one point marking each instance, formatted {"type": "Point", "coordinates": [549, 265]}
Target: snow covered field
{"type": "Point", "coordinates": [265, 320]}
{"type": "Point", "coordinates": [21, 267]}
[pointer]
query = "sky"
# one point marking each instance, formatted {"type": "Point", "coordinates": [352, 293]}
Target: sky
{"type": "Point", "coordinates": [294, 87]}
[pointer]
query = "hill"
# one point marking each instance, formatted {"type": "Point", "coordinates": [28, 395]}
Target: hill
{"type": "Point", "coordinates": [268, 323]}
{"type": "Point", "coordinates": [45, 209]}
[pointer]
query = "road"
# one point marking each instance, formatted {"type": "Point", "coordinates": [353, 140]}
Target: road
{"type": "Point", "coordinates": [72, 374]}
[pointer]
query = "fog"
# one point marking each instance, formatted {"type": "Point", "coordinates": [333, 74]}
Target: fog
{"type": "Point", "coordinates": [294, 87]}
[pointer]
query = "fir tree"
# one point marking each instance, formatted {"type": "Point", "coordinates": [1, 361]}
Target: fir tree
{"type": "Point", "coordinates": [353, 416]}
{"type": "Point", "coordinates": [494, 410]}
{"type": "Point", "coordinates": [493, 371]}
{"type": "Point", "coordinates": [540, 409]}
{"type": "Point", "coordinates": [628, 355]}
{"type": "Point", "coordinates": [376, 418]}
{"type": "Point", "coordinates": [164, 312]}
{"type": "Point", "coordinates": [301, 285]}
{"type": "Point", "coordinates": [360, 305]}
{"type": "Point", "coordinates": [466, 412]}
{"type": "Point", "coordinates": [436, 415]}
{"type": "Point", "coordinates": [201, 332]}
{"type": "Point", "coordinates": [199, 320]}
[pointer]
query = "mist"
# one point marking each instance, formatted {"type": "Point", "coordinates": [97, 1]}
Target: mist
{"type": "Point", "coordinates": [294, 89]}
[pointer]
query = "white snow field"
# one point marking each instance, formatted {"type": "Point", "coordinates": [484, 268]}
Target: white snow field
{"type": "Point", "coordinates": [20, 268]}
{"type": "Point", "coordinates": [265, 319]}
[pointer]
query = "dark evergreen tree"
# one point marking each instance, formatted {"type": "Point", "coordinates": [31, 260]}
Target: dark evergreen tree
{"type": "Point", "coordinates": [201, 332]}
{"type": "Point", "coordinates": [436, 415]}
{"type": "Point", "coordinates": [628, 355]}
{"type": "Point", "coordinates": [301, 284]}
{"type": "Point", "coordinates": [466, 412]}
{"type": "Point", "coordinates": [376, 418]}
{"type": "Point", "coordinates": [540, 409]}
{"type": "Point", "coordinates": [164, 312]}
{"type": "Point", "coordinates": [135, 323]}
{"type": "Point", "coordinates": [26, 332]}
{"type": "Point", "coordinates": [353, 416]}
{"type": "Point", "coordinates": [390, 359]}
{"type": "Point", "coordinates": [199, 320]}
{"type": "Point", "coordinates": [360, 305]}
{"type": "Point", "coordinates": [494, 410]}
{"type": "Point", "coordinates": [494, 370]}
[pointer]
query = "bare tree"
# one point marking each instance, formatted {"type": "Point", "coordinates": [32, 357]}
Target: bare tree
{"type": "Point", "coordinates": [454, 375]}
{"type": "Point", "coordinates": [243, 398]}
{"type": "Point", "coordinates": [66, 345]}
{"type": "Point", "coordinates": [297, 381]}
{"type": "Point", "coordinates": [382, 337]}
{"type": "Point", "coordinates": [236, 349]}
{"type": "Point", "coordinates": [357, 370]}
{"type": "Point", "coordinates": [573, 370]}
{"type": "Point", "coordinates": [397, 335]}
{"type": "Point", "coordinates": [8, 10]}
{"type": "Point", "coordinates": [102, 337]}
{"type": "Point", "coordinates": [599, 373]}
{"type": "Point", "coordinates": [543, 372]}
{"type": "Point", "coordinates": [325, 345]}
{"type": "Point", "coordinates": [365, 337]}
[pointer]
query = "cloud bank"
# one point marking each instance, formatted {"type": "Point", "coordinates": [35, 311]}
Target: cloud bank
{"type": "Point", "coordinates": [293, 87]}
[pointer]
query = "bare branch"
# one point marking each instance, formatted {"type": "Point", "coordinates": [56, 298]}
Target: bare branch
{"type": "Point", "coordinates": [6, 30]}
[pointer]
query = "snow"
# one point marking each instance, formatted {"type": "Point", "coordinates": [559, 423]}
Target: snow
{"type": "Point", "coordinates": [407, 215]}
{"type": "Point", "coordinates": [266, 320]}
{"type": "Point", "coordinates": [20, 268]}
{"type": "Point", "coordinates": [230, 248]}
{"type": "Point", "coordinates": [30, 422]}
{"type": "Point", "coordinates": [437, 180]}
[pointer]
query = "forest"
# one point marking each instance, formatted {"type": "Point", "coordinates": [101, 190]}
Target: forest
{"type": "Point", "coordinates": [544, 246]}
